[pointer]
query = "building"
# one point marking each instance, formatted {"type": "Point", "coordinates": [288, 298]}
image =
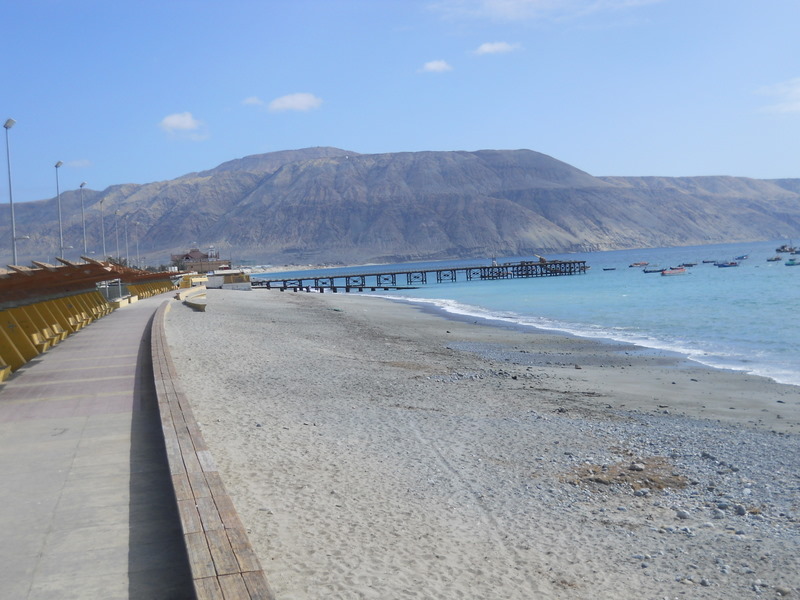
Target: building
{"type": "Point", "coordinates": [195, 260]}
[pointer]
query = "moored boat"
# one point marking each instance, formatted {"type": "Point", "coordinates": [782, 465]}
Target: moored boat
{"type": "Point", "coordinates": [639, 264]}
{"type": "Point", "coordinates": [792, 262]}
{"type": "Point", "coordinates": [786, 248]}
{"type": "Point", "coordinates": [654, 270]}
{"type": "Point", "coordinates": [774, 259]}
{"type": "Point", "coordinates": [727, 263]}
{"type": "Point", "coordinates": [674, 271]}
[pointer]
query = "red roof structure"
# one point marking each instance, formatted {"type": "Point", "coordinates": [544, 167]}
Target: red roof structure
{"type": "Point", "coordinates": [24, 285]}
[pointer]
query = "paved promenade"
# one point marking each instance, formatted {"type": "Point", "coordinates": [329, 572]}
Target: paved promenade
{"type": "Point", "coordinates": [87, 508]}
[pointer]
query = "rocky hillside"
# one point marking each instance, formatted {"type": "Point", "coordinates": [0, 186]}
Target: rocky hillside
{"type": "Point", "coordinates": [326, 205]}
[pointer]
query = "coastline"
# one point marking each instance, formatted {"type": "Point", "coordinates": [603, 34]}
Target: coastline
{"type": "Point", "coordinates": [750, 396]}
{"type": "Point", "coordinates": [376, 450]}
{"type": "Point", "coordinates": [446, 309]}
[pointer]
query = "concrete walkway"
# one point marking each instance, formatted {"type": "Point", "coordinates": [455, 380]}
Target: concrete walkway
{"type": "Point", "coordinates": [87, 508]}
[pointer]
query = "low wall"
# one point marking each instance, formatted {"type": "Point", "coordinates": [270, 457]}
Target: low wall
{"type": "Point", "coordinates": [222, 560]}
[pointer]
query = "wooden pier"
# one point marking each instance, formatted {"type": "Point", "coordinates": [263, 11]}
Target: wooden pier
{"type": "Point", "coordinates": [413, 278]}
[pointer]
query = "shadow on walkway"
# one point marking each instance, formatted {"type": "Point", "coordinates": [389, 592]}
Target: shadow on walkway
{"type": "Point", "coordinates": [154, 524]}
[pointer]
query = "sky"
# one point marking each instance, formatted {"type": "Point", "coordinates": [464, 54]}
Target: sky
{"type": "Point", "coordinates": [145, 91]}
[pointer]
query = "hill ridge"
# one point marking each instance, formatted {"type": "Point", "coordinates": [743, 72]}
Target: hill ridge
{"type": "Point", "coordinates": [330, 205]}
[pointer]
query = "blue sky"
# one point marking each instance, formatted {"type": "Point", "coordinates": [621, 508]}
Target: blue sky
{"type": "Point", "coordinates": [143, 91]}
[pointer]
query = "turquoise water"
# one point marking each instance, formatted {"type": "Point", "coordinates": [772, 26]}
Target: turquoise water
{"type": "Point", "coordinates": [744, 318]}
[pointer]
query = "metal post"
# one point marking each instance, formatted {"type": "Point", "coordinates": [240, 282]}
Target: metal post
{"type": "Point", "coordinates": [83, 220]}
{"type": "Point", "coordinates": [127, 255]}
{"type": "Point", "coordinates": [103, 229]}
{"type": "Point", "coordinates": [136, 233]}
{"type": "Point", "coordinates": [8, 125]}
{"type": "Point", "coordinates": [116, 229]}
{"type": "Point", "coordinates": [60, 227]}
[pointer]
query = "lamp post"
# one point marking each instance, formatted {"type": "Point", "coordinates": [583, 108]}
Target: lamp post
{"type": "Point", "coordinates": [136, 234]}
{"type": "Point", "coordinates": [60, 226]}
{"type": "Point", "coordinates": [103, 228]}
{"type": "Point", "coordinates": [127, 255]}
{"type": "Point", "coordinates": [83, 220]}
{"type": "Point", "coordinates": [8, 125]}
{"type": "Point", "coordinates": [116, 229]}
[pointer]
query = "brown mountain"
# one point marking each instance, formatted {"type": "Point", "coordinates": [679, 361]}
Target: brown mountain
{"type": "Point", "coordinates": [326, 205]}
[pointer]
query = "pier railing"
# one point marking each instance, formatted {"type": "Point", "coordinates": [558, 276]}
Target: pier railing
{"type": "Point", "coordinates": [411, 278]}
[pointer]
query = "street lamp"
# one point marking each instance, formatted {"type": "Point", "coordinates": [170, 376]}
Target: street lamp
{"type": "Point", "coordinates": [8, 125]}
{"type": "Point", "coordinates": [116, 229]}
{"type": "Point", "coordinates": [60, 226]}
{"type": "Point", "coordinates": [127, 256]}
{"type": "Point", "coordinates": [103, 228]}
{"type": "Point", "coordinates": [83, 220]}
{"type": "Point", "coordinates": [136, 234]}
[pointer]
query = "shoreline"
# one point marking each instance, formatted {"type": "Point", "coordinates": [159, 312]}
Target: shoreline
{"type": "Point", "coordinates": [376, 450]}
{"type": "Point", "coordinates": [681, 356]}
{"type": "Point", "coordinates": [606, 352]}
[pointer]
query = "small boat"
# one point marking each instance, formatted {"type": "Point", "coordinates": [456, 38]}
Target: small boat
{"type": "Point", "coordinates": [792, 262]}
{"type": "Point", "coordinates": [710, 262]}
{"type": "Point", "coordinates": [727, 263]}
{"type": "Point", "coordinates": [743, 257]}
{"type": "Point", "coordinates": [786, 248]}
{"type": "Point", "coordinates": [654, 270]}
{"type": "Point", "coordinates": [609, 268]}
{"type": "Point", "coordinates": [687, 265]}
{"type": "Point", "coordinates": [674, 271]}
{"type": "Point", "coordinates": [639, 264]}
{"type": "Point", "coordinates": [774, 259]}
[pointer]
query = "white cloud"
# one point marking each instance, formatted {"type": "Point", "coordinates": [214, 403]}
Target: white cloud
{"type": "Point", "coordinates": [179, 122]}
{"type": "Point", "coordinates": [518, 10]}
{"type": "Point", "coordinates": [301, 101]}
{"type": "Point", "coordinates": [786, 94]}
{"type": "Point", "coordinates": [496, 48]}
{"type": "Point", "coordinates": [183, 126]}
{"type": "Point", "coordinates": [253, 101]}
{"type": "Point", "coordinates": [436, 66]}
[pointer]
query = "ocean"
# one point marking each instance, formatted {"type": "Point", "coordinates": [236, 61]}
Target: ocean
{"type": "Point", "coordinates": [743, 318]}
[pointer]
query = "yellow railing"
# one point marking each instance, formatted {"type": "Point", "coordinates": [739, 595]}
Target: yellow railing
{"type": "Point", "coordinates": [28, 330]}
{"type": "Point", "coordinates": [152, 288]}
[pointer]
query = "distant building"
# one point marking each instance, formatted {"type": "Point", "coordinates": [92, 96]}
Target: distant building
{"type": "Point", "coordinates": [195, 260]}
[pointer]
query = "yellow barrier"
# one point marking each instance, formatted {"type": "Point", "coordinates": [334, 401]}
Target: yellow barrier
{"type": "Point", "coordinates": [46, 323]}
{"type": "Point", "coordinates": [28, 330]}
{"type": "Point", "coordinates": [17, 337]}
{"type": "Point", "coordinates": [53, 308]}
{"type": "Point", "coordinates": [152, 288]}
{"type": "Point", "coordinates": [9, 355]}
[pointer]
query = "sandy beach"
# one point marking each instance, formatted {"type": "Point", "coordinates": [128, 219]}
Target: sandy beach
{"type": "Point", "coordinates": [374, 449]}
